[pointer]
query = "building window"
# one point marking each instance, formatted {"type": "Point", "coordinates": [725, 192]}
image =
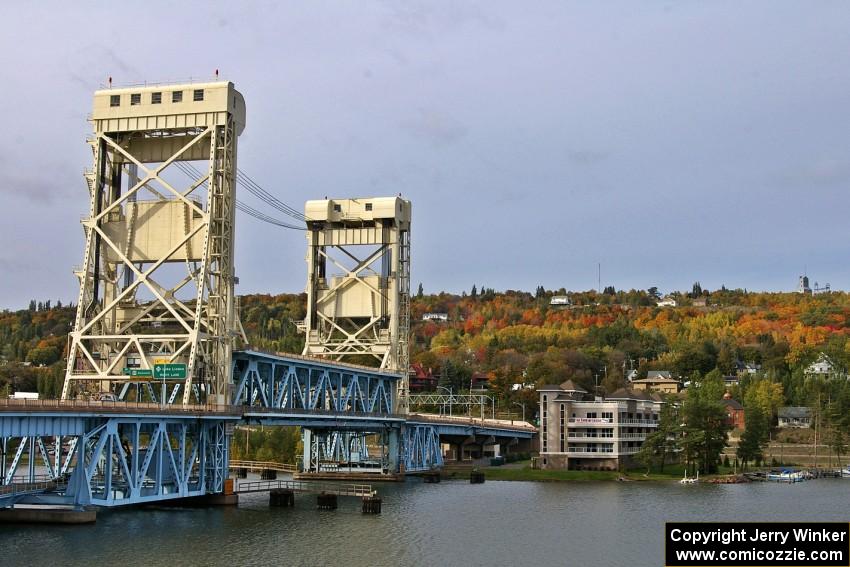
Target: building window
{"type": "Point", "coordinates": [607, 415]}
{"type": "Point", "coordinates": [156, 98]}
{"type": "Point", "coordinates": [198, 95]}
{"type": "Point", "coordinates": [338, 209]}
{"type": "Point", "coordinates": [134, 362]}
{"type": "Point", "coordinates": [544, 426]}
{"type": "Point", "coordinates": [591, 414]}
{"type": "Point", "coordinates": [135, 99]}
{"type": "Point", "coordinates": [115, 100]}
{"type": "Point", "coordinates": [563, 428]}
{"type": "Point", "coordinates": [177, 96]}
{"type": "Point", "coordinates": [368, 206]}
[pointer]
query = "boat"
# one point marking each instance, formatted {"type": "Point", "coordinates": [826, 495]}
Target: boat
{"type": "Point", "coordinates": [786, 475]}
{"type": "Point", "coordinates": [691, 480]}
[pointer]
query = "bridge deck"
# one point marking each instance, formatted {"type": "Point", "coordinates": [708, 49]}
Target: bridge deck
{"type": "Point", "coordinates": [306, 486]}
{"type": "Point", "coordinates": [260, 465]}
{"type": "Point", "coordinates": [519, 427]}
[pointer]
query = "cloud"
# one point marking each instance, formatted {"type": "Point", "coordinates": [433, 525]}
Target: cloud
{"type": "Point", "coordinates": [39, 185]}
{"type": "Point", "coordinates": [438, 128]}
{"type": "Point", "coordinates": [825, 171]}
{"type": "Point", "coordinates": [426, 20]}
{"type": "Point", "coordinates": [587, 156]}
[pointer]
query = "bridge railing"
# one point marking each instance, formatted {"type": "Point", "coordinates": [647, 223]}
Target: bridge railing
{"type": "Point", "coordinates": [466, 420]}
{"type": "Point", "coordinates": [113, 406]}
{"type": "Point", "coordinates": [317, 411]}
{"type": "Point", "coordinates": [260, 465]}
{"type": "Point", "coordinates": [338, 488]}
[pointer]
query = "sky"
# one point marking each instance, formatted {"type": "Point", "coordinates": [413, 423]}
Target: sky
{"type": "Point", "coordinates": [667, 142]}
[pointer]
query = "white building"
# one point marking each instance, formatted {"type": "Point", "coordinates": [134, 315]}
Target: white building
{"type": "Point", "coordinates": [824, 367]}
{"type": "Point", "coordinates": [560, 300]}
{"type": "Point", "coordinates": [435, 316]}
{"type": "Point", "coordinates": [667, 302]}
{"type": "Point", "coordinates": [597, 434]}
{"type": "Point", "coordinates": [795, 416]}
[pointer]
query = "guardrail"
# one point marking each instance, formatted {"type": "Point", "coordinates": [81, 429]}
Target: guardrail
{"type": "Point", "coordinates": [29, 487]}
{"type": "Point", "coordinates": [465, 420]}
{"type": "Point", "coordinates": [115, 407]}
{"type": "Point", "coordinates": [307, 486]}
{"type": "Point", "coordinates": [260, 465]}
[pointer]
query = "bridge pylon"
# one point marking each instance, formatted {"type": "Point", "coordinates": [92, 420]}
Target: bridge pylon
{"type": "Point", "coordinates": [155, 313]}
{"type": "Point", "coordinates": [358, 283]}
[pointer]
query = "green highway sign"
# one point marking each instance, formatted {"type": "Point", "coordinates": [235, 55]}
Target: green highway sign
{"type": "Point", "coordinates": [170, 371]}
{"type": "Point", "coordinates": [138, 372]}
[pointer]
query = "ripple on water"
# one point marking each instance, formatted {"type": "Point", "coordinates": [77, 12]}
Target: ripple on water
{"type": "Point", "coordinates": [451, 523]}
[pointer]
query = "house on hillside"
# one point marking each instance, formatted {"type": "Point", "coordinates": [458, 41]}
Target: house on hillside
{"type": "Point", "coordinates": [421, 379]}
{"type": "Point", "coordinates": [701, 301]}
{"type": "Point", "coordinates": [795, 417]}
{"type": "Point", "coordinates": [658, 381]}
{"type": "Point", "coordinates": [439, 317]}
{"type": "Point", "coordinates": [734, 411]}
{"type": "Point", "coordinates": [560, 300]}
{"type": "Point", "coordinates": [825, 367]}
{"type": "Point", "coordinates": [666, 302]}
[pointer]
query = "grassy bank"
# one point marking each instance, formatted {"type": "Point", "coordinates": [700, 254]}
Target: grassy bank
{"type": "Point", "coordinates": [524, 472]}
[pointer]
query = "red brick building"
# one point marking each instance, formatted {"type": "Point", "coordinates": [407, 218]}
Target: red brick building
{"type": "Point", "coordinates": [734, 412]}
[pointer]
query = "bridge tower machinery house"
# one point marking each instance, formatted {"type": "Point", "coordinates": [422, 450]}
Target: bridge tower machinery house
{"type": "Point", "coordinates": [358, 283]}
{"type": "Point", "coordinates": [156, 300]}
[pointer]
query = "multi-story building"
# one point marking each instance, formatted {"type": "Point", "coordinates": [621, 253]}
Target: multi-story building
{"type": "Point", "coordinates": [578, 433]}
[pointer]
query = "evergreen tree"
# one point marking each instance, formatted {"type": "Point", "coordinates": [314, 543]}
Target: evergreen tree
{"type": "Point", "coordinates": [704, 432]}
{"type": "Point", "coordinates": [755, 436]}
{"type": "Point", "coordinates": [419, 291]}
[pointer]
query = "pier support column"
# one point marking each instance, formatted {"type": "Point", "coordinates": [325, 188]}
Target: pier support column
{"type": "Point", "coordinates": [307, 441]}
{"type": "Point", "coordinates": [326, 501]}
{"type": "Point", "coordinates": [394, 451]}
{"type": "Point", "coordinates": [282, 498]}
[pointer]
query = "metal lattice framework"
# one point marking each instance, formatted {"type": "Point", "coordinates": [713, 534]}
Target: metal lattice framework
{"type": "Point", "coordinates": [156, 284]}
{"type": "Point", "coordinates": [290, 382]}
{"type": "Point", "coordinates": [113, 461]}
{"type": "Point", "coordinates": [422, 450]}
{"type": "Point", "coordinates": [362, 310]}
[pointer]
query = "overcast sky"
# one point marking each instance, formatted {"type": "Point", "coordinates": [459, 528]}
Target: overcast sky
{"type": "Point", "coordinates": [670, 142]}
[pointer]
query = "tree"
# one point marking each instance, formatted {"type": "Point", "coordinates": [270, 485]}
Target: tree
{"type": "Point", "coordinates": [653, 292]}
{"type": "Point", "coordinates": [663, 442]}
{"type": "Point", "coordinates": [755, 436]}
{"type": "Point", "coordinates": [419, 291]}
{"type": "Point", "coordinates": [769, 396]}
{"type": "Point", "coordinates": [474, 291]}
{"type": "Point", "coordinates": [704, 433]}
{"type": "Point", "coordinates": [696, 290]}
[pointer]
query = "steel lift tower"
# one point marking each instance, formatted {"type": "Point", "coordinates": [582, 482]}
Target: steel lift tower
{"type": "Point", "coordinates": [361, 311]}
{"type": "Point", "coordinates": [155, 314]}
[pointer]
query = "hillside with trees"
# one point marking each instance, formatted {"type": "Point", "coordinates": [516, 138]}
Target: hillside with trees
{"type": "Point", "coordinates": [515, 337]}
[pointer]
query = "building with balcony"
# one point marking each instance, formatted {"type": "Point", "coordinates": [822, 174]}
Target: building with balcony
{"type": "Point", "coordinates": [658, 381]}
{"type": "Point", "coordinates": [579, 432]}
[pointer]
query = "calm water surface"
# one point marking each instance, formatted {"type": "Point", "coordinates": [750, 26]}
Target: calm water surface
{"type": "Point", "coordinates": [451, 523]}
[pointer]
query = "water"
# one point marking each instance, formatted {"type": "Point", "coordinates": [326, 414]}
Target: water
{"type": "Point", "coordinates": [451, 523]}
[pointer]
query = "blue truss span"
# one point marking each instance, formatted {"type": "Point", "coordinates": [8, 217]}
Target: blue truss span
{"type": "Point", "coordinates": [120, 453]}
{"type": "Point", "coordinates": [108, 455]}
{"type": "Point", "coordinates": [276, 381]}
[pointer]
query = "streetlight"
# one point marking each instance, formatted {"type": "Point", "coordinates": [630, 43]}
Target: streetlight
{"type": "Point", "coordinates": [451, 396]}
{"type": "Point", "coordinates": [522, 405]}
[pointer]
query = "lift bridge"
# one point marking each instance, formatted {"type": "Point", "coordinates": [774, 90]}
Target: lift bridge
{"type": "Point", "coordinates": [159, 371]}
